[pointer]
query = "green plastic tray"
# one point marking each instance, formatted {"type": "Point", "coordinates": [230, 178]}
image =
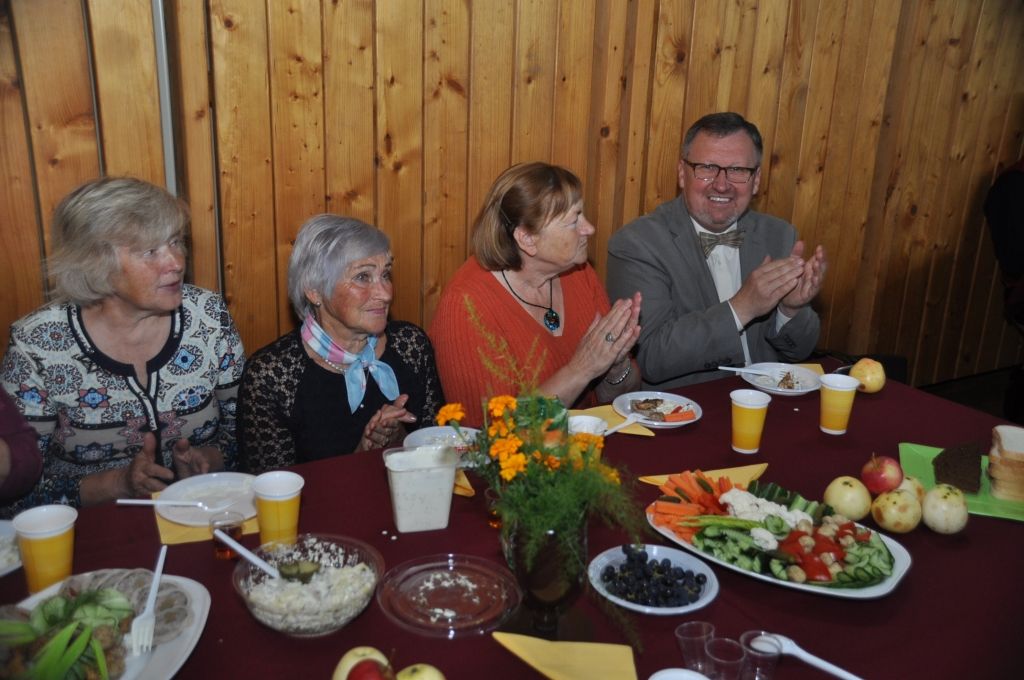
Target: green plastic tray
{"type": "Point", "coordinates": [917, 462]}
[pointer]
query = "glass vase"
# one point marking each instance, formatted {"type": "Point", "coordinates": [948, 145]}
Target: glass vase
{"type": "Point", "coordinates": [552, 577]}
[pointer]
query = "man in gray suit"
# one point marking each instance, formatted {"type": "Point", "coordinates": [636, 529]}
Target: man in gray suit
{"type": "Point", "coordinates": [721, 284]}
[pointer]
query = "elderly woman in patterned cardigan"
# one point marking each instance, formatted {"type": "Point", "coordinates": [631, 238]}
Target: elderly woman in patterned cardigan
{"type": "Point", "coordinates": [130, 375]}
{"type": "Point", "coordinates": [349, 379]}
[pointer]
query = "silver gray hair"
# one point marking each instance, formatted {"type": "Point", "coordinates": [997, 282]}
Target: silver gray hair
{"type": "Point", "coordinates": [325, 247]}
{"type": "Point", "coordinates": [96, 219]}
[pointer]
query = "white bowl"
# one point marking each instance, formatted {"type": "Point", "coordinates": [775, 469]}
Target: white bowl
{"type": "Point", "coordinates": [587, 424]}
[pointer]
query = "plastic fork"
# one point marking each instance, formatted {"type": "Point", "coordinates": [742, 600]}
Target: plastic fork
{"type": "Point", "coordinates": [181, 504]}
{"type": "Point", "coordinates": [776, 374]}
{"type": "Point", "coordinates": [792, 648]}
{"type": "Point", "coordinates": [144, 625]}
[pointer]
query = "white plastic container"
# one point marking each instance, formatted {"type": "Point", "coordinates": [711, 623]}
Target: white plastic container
{"type": "Point", "coordinates": [421, 481]}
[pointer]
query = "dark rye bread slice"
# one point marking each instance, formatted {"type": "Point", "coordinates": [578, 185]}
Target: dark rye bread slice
{"type": "Point", "coordinates": [960, 466]}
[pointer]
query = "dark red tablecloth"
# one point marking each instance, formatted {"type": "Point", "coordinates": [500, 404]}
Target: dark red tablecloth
{"type": "Point", "coordinates": [959, 612]}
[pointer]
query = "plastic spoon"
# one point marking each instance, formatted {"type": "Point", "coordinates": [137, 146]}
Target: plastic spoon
{"type": "Point", "coordinates": [630, 419]}
{"type": "Point", "coordinates": [792, 648]}
{"type": "Point", "coordinates": [752, 371]}
{"type": "Point", "coordinates": [247, 554]}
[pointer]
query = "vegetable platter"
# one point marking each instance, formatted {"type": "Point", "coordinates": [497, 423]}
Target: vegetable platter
{"type": "Point", "coordinates": [775, 535]}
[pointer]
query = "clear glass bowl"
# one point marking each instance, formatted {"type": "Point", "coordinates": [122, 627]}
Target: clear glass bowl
{"type": "Point", "coordinates": [349, 572]}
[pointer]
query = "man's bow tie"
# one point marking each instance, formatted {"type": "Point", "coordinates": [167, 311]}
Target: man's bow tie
{"type": "Point", "coordinates": [708, 241]}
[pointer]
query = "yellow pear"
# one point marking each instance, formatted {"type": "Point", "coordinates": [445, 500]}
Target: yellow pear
{"type": "Point", "coordinates": [870, 373]}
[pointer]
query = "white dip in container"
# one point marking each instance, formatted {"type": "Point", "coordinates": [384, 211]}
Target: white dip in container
{"type": "Point", "coordinates": [421, 481]}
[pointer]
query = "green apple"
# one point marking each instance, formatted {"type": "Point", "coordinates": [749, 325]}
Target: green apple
{"type": "Point", "coordinates": [420, 671]}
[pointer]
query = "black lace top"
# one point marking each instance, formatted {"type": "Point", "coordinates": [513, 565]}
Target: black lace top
{"type": "Point", "coordinates": [291, 410]}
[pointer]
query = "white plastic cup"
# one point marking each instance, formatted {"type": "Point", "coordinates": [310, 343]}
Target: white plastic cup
{"type": "Point", "coordinates": [46, 540]}
{"type": "Point", "coordinates": [277, 496]}
{"type": "Point", "coordinates": [421, 480]}
{"type": "Point", "coordinates": [763, 650]}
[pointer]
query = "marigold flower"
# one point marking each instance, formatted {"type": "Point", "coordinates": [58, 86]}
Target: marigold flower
{"type": "Point", "coordinates": [553, 463]}
{"type": "Point", "coordinates": [512, 466]}
{"type": "Point", "coordinates": [506, 445]}
{"type": "Point", "coordinates": [497, 405]}
{"type": "Point", "coordinates": [497, 428]}
{"type": "Point", "coordinates": [449, 413]}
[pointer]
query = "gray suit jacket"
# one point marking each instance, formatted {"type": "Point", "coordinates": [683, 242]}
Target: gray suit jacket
{"type": "Point", "coordinates": [686, 331]}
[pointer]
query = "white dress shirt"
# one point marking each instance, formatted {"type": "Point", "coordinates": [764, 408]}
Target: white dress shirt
{"type": "Point", "coordinates": [724, 263]}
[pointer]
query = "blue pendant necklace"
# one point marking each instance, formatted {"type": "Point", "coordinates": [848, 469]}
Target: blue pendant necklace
{"type": "Point", "coordinates": [551, 319]}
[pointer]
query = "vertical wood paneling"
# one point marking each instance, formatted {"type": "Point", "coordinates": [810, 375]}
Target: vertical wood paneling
{"type": "Point", "coordinates": [399, 34]}
{"type": "Point", "coordinates": [187, 40]}
{"type": "Point", "coordinates": [127, 98]}
{"type": "Point", "coordinates": [850, 260]}
{"type": "Point", "coordinates": [62, 130]}
{"type": "Point", "coordinates": [572, 87]}
{"type": "Point", "coordinates": [445, 127]}
{"type": "Point", "coordinates": [766, 77]}
{"type": "Point", "coordinates": [20, 242]}
{"type": "Point", "coordinates": [673, 56]}
{"type": "Point", "coordinates": [536, 56]}
{"type": "Point", "coordinates": [297, 128]}
{"type": "Point", "coordinates": [492, 41]}
{"type": "Point", "coordinates": [238, 31]}
{"type": "Point", "coordinates": [620, 80]}
{"type": "Point", "coordinates": [784, 154]}
{"type": "Point", "coordinates": [349, 118]}
{"type": "Point", "coordinates": [884, 124]}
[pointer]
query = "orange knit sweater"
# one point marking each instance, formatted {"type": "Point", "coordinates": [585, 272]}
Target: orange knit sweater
{"type": "Point", "coordinates": [460, 349]}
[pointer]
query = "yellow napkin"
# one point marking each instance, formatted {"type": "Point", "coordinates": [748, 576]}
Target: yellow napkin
{"type": "Point", "coordinates": [744, 474]}
{"type": "Point", "coordinates": [172, 532]}
{"type": "Point", "coordinates": [814, 368]}
{"type": "Point", "coordinates": [571, 660]}
{"type": "Point", "coordinates": [608, 415]}
{"type": "Point", "coordinates": [462, 485]}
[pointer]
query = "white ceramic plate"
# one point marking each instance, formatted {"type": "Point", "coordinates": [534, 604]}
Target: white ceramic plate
{"type": "Point", "coordinates": [621, 406]}
{"type": "Point", "coordinates": [445, 435]}
{"type": "Point", "coordinates": [806, 379]}
{"type": "Point", "coordinates": [615, 557]}
{"type": "Point", "coordinates": [214, 489]}
{"type": "Point", "coordinates": [165, 660]}
{"type": "Point", "coordinates": [9, 557]}
{"type": "Point", "coordinates": [901, 563]}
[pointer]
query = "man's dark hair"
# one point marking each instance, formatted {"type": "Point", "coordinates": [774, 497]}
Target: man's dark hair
{"type": "Point", "coordinates": [722, 125]}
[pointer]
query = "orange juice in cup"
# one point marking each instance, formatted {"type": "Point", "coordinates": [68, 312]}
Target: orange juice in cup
{"type": "Point", "coordinates": [749, 409]}
{"type": "Point", "coordinates": [277, 496]}
{"type": "Point", "coordinates": [46, 540]}
{"type": "Point", "coordinates": [837, 393]}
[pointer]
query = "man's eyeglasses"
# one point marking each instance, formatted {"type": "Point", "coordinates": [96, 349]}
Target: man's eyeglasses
{"type": "Point", "coordinates": [708, 172]}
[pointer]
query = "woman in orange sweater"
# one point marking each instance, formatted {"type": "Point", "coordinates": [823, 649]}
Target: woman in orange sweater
{"type": "Point", "coordinates": [527, 310]}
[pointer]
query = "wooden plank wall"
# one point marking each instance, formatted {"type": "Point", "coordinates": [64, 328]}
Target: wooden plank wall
{"type": "Point", "coordinates": [884, 124]}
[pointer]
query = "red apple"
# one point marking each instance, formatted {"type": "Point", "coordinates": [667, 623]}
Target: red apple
{"type": "Point", "coordinates": [881, 474]}
{"type": "Point", "coordinates": [370, 669]}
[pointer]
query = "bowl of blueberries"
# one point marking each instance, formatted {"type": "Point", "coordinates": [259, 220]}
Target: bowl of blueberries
{"type": "Point", "coordinates": [653, 579]}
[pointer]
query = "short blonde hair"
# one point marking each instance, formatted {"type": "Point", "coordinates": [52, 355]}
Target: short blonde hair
{"type": "Point", "coordinates": [96, 219]}
{"type": "Point", "coordinates": [527, 195]}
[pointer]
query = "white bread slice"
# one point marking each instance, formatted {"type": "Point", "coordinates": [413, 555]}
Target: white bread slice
{"type": "Point", "coordinates": [1007, 492]}
{"type": "Point", "coordinates": [998, 459]}
{"type": "Point", "coordinates": [1009, 439]}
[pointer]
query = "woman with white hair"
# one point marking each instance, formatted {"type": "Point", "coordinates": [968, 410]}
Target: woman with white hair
{"type": "Point", "coordinates": [349, 379]}
{"type": "Point", "coordinates": [130, 376]}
